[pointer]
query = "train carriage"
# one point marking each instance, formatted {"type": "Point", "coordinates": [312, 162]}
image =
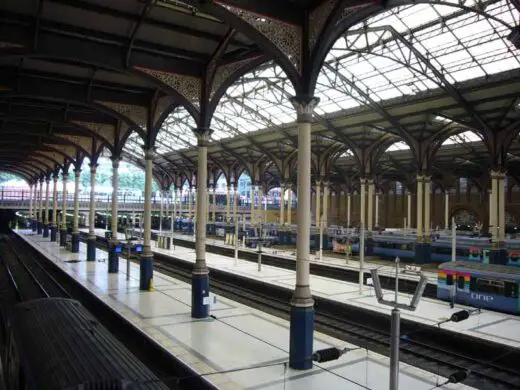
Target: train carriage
{"type": "Point", "coordinates": [489, 286]}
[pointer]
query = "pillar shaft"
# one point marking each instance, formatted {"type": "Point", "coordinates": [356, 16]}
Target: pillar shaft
{"type": "Point", "coordinates": [55, 200]}
{"type": "Point", "coordinates": [362, 198]}
{"type": "Point", "coordinates": [302, 311]}
{"type": "Point", "coordinates": [92, 206]}
{"type": "Point", "coordinates": [409, 210]}
{"type": "Point", "coordinates": [40, 216]}
{"type": "Point", "coordinates": [376, 223]}
{"type": "Point", "coordinates": [200, 278]}
{"type": "Point", "coordinates": [282, 204]}
{"type": "Point", "coordinates": [318, 203]}
{"type": "Point", "coordinates": [490, 217]}
{"type": "Point", "coordinates": [235, 203]}
{"type": "Point", "coordinates": [325, 211]}
{"type": "Point", "coordinates": [146, 260]}
{"type": "Point", "coordinates": [161, 210]}
{"type": "Point", "coordinates": [30, 204]}
{"type": "Point", "coordinates": [420, 197]}
{"type": "Point", "coordinates": [91, 240]}
{"type": "Point", "coordinates": [77, 177]}
{"type": "Point", "coordinates": [447, 210]}
{"type": "Point", "coordinates": [64, 202]}
{"type": "Point", "coordinates": [494, 207]}
{"type": "Point", "coordinates": [63, 227]}
{"type": "Point", "coordinates": [115, 185]}
{"type": "Point", "coordinates": [501, 203]}
{"type": "Point", "coordinates": [47, 200]}
{"type": "Point", "coordinates": [427, 207]}
{"type": "Point", "coordinates": [370, 216]}
{"type": "Point", "coordinates": [289, 206]}
{"type": "Point", "coordinates": [348, 209]}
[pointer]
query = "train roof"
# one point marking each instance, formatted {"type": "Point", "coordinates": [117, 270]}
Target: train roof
{"type": "Point", "coordinates": [468, 265]}
{"type": "Point", "coordinates": [63, 346]}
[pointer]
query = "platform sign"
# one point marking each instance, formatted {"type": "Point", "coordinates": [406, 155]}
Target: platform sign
{"type": "Point", "coordinates": [118, 249]}
{"type": "Point", "coordinates": [138, 249]}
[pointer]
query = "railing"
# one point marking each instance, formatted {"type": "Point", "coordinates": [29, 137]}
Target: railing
{"type": "Point", "coordinates": [20, 199]}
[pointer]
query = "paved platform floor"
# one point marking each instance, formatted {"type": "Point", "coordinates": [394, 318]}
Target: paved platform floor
{"type": "Point", "coordinates": [249, 345]}
{"type": "Point", "coordinates": [486, 324]}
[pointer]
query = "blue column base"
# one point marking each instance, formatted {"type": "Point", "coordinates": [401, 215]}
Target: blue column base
{"type": "Point", "coordinates": [91, 249]}
{"type": "Point", "coordinates": [113, 260]}
{"type": "Point", "coordinates": [45, 230]}
{"type": "Point", "coordinates": [301, 338]}
{"type": "Point", "coordinates": [53, 233]}
{"type": "Point", "coordinates": [74, 243]}
{"type": "Point", "coordinates": [423, 252]}
{"type": "Point", "coordinates": [39, 227]}
{"type": "Point", "coordinates": [63, 237]}
{"type": "Point", "coordinates": [146, 272]}
{"type": "Point", "coordinates": [498, 256]}
{"type": "Point", "coordinates": [369, 246]}
{"type": "Point", "coordinates": [199, 290]}
{"type": "Point", "coordinates": [34, 225]}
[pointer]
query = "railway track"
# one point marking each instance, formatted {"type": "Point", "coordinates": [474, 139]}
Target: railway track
{"type": "Point", "coordinates": [27, 277]}
{"type": "Point", "coordinates": [488, 365]}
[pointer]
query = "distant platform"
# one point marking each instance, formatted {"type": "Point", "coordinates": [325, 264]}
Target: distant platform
{"type": "Point", "coordinates": [238, 340]}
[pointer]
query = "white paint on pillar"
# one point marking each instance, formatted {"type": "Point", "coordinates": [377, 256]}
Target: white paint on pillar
{"type": "Point", "coordinates": [501, 207]}
{"type": "Point", "coordinates": [325, 212]}
{"type": "Point", "coordinates": [409, 211]}
{"type": "Point", "coordinates": [64, 202]}
{"type": "Point", "coordinates": [289, 206]}
{"type": "Point", "coordinates": [494, 207]}
{"type": "Point", "coordinates": [376, 223]}
{"type": "Point", "coordinates": [348, 209]}
{"type": "Point", "coordinates": [318, 203]}
{"type": "Point", "coordinates": [282, 201]}
{"type": "Point", "coordinates": [427, 207]}
{"type": "Point", "coordinates": [420, 197]}
{"type": "Point", "coordinates": [75, 221]}
{"type": "Point", "coordinates": [370, 217]}
{"type": "Point", "coordinates": [47, 199]}
{"type": "Point", "coordinates": [115, 185]}
{"type": "Point", "coordinates": [147, 216]}
{"type": "Point", "coordinates": [447, 210]}
{"type": "Point", "coordinates": [302, 296]}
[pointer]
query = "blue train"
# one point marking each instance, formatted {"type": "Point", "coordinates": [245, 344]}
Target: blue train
{"type": "Point", "coordinates": [474, 250]}
{"type": "Point", "coordinates": [488, 286]}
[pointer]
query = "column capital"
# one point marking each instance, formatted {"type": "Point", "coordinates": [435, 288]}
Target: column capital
{"type": "Point", "coordinates": [427, 179]}
{"type": "Point", "coordinates": [93, 167]}
{"type": "Point", "coordinates": [304, 106]}
{"type": "Point", "coordinates": [325, 184]}
{"type": "Point", "coordinates": [203, 135]}
{"type": "Point", "coordinates": [419, 178]}
{"type": "Point", "coordinates": [55, 177]}
{"type": "Point", "coordinates": [497, 175]}
{"type": "Point", "coordinates": [148, 153]}
{"type": "Point", "coordinates": [65, 175]}
{"type": "Point", "coordinates": [115, 161]}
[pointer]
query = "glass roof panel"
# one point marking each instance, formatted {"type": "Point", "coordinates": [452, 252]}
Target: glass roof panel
{"type": "Point", "coordinates": [396, 53]}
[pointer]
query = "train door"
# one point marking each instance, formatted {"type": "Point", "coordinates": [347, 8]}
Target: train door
{"type": "Point", "coordinates": [461, 288]}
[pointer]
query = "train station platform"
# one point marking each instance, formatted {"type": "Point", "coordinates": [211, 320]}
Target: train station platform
{"type": "Point", "coordinates": [485, 324]}
{"type": "Point", "coordinates": [241, 348]}
{"type": "Point", "coordinates": [385, 267]}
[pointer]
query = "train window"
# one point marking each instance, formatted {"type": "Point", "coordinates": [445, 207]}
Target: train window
{"type": "Point", "coordinates": [490, 286]}
{"type": "Point", "coordinates": [460, 282]}
{"type": "Point", "coordinates": [449, 280]}
{"type": "Point", "coordinates": [511, 290]}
